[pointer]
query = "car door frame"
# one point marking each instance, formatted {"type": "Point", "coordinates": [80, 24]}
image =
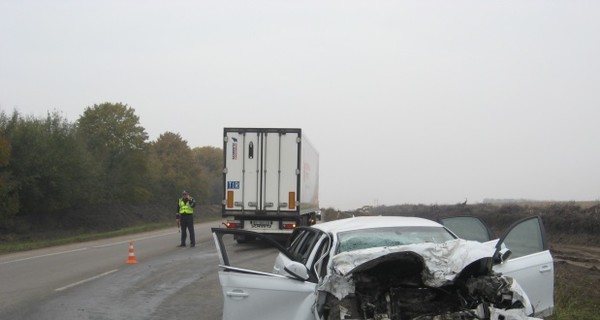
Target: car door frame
{"type": "Point", "coordinates": [311, 258]}
{"type": "Point", "coordinates": [238, 284]}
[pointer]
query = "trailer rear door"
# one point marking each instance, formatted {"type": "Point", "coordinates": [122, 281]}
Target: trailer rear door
{"type": "Point", "coordinates": [261, 170]}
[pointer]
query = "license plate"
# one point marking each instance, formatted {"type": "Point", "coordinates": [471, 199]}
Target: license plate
{"type": "Point", "coordinates": [261, 224]}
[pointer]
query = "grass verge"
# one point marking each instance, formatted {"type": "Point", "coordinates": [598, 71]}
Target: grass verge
{"type": "Point", "coordinates": [49, 240]}
{"type": "Point", "coordinates": [576, 294]}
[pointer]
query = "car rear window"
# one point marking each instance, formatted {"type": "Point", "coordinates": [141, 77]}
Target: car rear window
{"type": "Point", "coordinates": [390, 236]}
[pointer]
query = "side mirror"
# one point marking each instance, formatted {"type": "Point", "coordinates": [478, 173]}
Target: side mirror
{"type": "Point", "coordinates": [297, 270]}
{"type": "Point", "coordinates": [502, 255]}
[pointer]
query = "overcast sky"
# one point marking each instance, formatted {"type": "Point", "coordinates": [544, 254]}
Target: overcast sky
{"type": "Point", "coordinates": [406, 101]}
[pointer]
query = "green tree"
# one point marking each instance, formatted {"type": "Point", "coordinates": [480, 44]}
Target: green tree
{"type": "Point", "coordinates": [112, 128]}
{"type": "Point", "coordinates": [175, 168]}
{"type": "Point", "coordinates": [210, 160]}
{"type": "Point", "coordinates": [48, 166]}
{"type": "Point", "coordinates": [114, 136]}
{"type": "Point", "coordinates": [9, 203]}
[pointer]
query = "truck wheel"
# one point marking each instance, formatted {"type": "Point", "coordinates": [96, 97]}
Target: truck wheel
{"type": "Point", "coordinates": [305, 220]}
{"type": "Point", "coordinates": [240, 239]}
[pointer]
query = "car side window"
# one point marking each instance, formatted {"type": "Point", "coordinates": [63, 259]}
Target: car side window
{"type": "Point", "coordinates": [525, 238]}
{"type": "Point", "coordinates": [295, 239]}
{"type": "Point", "coordinates": [468, 228]}
{"type": "Point", "coordinates": [302, 244]}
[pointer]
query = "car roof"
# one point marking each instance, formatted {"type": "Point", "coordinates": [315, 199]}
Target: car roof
{"type": "Point", "coordinates": [369, 222]}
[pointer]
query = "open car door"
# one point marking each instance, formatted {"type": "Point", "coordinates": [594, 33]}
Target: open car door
{"type": "Point", "coordinates": [530, 262]}
{"type": "Point", "coordinates": [258, 294]}
{"type": "Point", "coordinates": [528, 258]}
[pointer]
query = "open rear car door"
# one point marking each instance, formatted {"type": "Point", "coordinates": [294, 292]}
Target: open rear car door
{"type": "Point", "coordinates": [522, 253]}
{"type": "Point", "coordinates": [254, 294]}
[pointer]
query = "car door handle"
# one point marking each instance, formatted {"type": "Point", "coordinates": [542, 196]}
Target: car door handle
{"type": "Point", "coordinates": [237, 294]}
{"type": "Point", "coordinates": [545, 268]}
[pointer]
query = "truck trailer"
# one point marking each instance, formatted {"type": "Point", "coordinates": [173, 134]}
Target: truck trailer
{"type": "Point", "coordinates": [270, 179]}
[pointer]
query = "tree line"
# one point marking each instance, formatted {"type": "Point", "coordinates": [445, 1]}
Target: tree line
{"type": "Point", "coordinates": [49, 166]}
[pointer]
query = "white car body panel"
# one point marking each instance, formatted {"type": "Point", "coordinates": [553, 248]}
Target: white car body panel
{"type": "Point", "coordinates": [535, 274]}
{"type": "Point", "coordinates": [267, 297]}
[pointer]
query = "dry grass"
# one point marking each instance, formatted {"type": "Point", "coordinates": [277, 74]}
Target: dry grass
{"type": "Point", "coordinates": [576, 293]}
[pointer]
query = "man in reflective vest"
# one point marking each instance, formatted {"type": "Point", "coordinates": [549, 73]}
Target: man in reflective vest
{"type": "Point", "coordinates": [185, 209]}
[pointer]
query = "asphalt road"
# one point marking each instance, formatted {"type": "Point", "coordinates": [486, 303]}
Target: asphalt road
{"type": "Point", "coordinates": [92, 280]}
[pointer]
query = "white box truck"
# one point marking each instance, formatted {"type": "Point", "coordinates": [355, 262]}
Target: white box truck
{"type": "Point", "coordinates": [271, 180]}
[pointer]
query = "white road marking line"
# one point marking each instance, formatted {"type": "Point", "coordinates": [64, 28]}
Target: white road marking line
{"type": "Point", "coordinates": [86, 280]}
{"type": "Point", "coordinates": [43, 255]}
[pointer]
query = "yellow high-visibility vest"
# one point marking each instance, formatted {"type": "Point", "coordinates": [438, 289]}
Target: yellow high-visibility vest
{"type": "Point", "coordinates": [185, 208]}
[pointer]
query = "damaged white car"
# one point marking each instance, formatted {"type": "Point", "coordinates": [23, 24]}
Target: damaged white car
{"type": "Point", "coordinates": [396, 268]}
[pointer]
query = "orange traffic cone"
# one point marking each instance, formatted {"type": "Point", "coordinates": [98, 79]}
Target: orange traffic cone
{"type": "Point", "coordinates": [131, 258]}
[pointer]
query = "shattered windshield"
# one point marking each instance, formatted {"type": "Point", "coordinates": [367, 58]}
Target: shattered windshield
{"type": "Point", "coordinates": [391, 236]}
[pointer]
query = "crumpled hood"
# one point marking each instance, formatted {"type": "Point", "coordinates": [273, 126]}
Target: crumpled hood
{"type": "Point", "coordinates": [442, 262]}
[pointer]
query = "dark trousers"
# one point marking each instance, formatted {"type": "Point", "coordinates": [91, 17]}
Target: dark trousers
{"type": "Point", "coordinates": [187, 223]}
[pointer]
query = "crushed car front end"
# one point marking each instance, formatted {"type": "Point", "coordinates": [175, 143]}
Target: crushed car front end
{"type": "Point", "coordinates": [452, 280]}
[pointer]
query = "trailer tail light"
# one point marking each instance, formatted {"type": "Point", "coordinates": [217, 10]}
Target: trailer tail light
{"type": "Point", "coordinates": [289, 225]}
{"type": "Point", "coordinates": [232, 225]}
{"type": "Point", "coordinates": [230, 199]}
{"type": "Point", "coordinates": [291, 200]}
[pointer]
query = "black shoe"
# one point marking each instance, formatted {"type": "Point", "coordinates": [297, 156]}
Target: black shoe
{"type": "Point", "coordinates": [181, 245]}
{"type": "Point", "coordinates": [192, 245]}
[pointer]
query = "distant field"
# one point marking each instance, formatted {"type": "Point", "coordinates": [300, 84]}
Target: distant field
{"type": "Point", "coordinates": [565, 222]}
